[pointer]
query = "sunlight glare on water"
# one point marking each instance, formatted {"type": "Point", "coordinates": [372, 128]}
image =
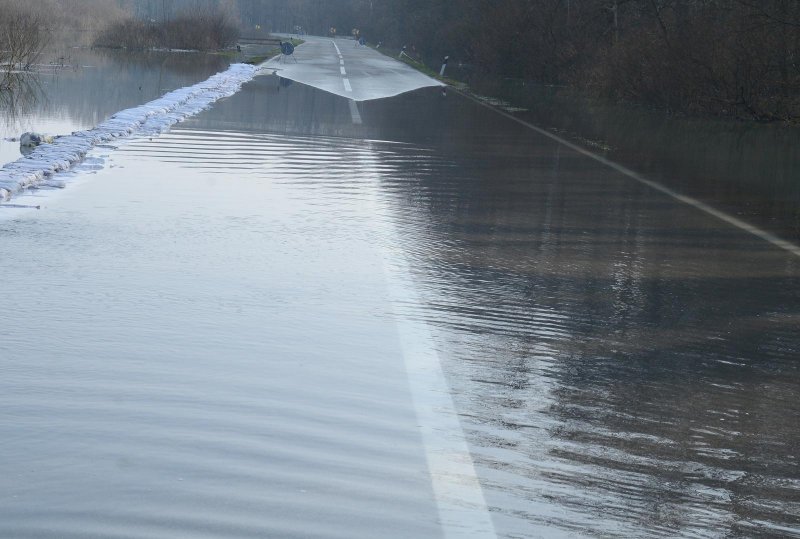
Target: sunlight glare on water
{"type": "Point", "coordinates": [186, 352]}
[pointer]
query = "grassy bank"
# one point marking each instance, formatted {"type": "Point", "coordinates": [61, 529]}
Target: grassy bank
{"type": "Point", "coordinates": [271, 53]}
{"type": "Point", "coordinates": [417, 64]}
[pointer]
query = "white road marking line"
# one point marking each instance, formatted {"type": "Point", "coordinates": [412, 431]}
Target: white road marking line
{"type": "Point", "coordinates": [463, 511]}
{"type": "Point", "coordinates": [347, 85]}
{"type": "Point", "coordinates": [341, 68]}
{"type": "Point", "coordinates": [702, 206]}
{"type": "Point", "coordinates": [462, 508]}
{"type": "Point", "coordinates": [337, 48]}
{"type": "Point", "coordinates": [341, 62]}
{"type": "Point", "coordinates": [354, 112]}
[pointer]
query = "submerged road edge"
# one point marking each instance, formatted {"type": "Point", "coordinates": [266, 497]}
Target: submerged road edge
{"type": "Point", "coordinates": [702, 206]}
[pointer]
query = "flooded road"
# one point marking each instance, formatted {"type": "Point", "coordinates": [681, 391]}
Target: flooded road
{"type": "Point", "coordinates": [748, 169]}
{"type": "Point", "coordinates": [625, 366]}
{"type": "Point", "coordinates": [208, 337]}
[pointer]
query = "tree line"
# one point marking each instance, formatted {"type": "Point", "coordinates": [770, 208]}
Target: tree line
{"type": "Point", "coordinates": [734, 58]}
{"type": "Point", "coordinates": [738, 58]}
{"type": "Point", "coordinates": [724, 57]}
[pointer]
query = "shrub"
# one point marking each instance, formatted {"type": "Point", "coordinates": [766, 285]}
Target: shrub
{"type": "Point", "coordinates": [205, 30]}
{"type": "Point", "coordinates": [22, 39]}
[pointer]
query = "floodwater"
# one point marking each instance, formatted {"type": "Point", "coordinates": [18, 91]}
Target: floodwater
{"type": "Point", "coordinates": [750, 169]}
{"type": "Point", "coordinates": [77, 89]}
{"type": "Point", "coordinates": [199, 335]}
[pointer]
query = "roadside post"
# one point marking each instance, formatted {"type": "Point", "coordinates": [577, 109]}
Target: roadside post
{"type": "Point", "coordinates": [402, 52]}
{"type": "Point", "coordinates": [444, 65]}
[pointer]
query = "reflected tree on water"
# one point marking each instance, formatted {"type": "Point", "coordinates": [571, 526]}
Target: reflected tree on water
{"type": "Point", "coordinates": [20, 97]}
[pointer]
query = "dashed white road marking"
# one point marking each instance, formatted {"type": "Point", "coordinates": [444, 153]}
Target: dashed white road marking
{"type": "Point", "coordinates": [347, 85]}
{"type": "Point", "coordinates": [341, 68]}
{"type": "Point", "coordinates": [702, 206]}
{"type": "Point", "coordinates": [337, 48]}
{"type": "Point", "coordinates": [354, 112]}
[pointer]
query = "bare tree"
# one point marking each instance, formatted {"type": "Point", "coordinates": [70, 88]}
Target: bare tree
{"type": "Point", "coordinates": [22, 39]}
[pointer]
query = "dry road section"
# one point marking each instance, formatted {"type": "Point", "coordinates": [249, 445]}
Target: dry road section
{"type": "Point", "coordinates": [342, 68]}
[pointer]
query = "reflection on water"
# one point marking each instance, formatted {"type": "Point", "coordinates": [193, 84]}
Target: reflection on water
{"type": "Point", "coordinates": [276, 105]}
{"type": "Point", "coordinates": [750, 169]}
{"type": "Point", "coordinates": [624, 366]}
{"type": "Point", "coordinates": [185, 352]}
{"type": "Point", "coordinates": [20, 98]}
{"type": "Point", "coordinates": [91, 86]}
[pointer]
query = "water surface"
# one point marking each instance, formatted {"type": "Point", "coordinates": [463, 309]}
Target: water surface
{"type": "Point", "coordinates": [76, 89]}
{"type": "Point", "coordinates": [199, 341]}
{"type": "Point", "coordinates": [186, 352]}
{"type": "Point", "coordinates": [750, 169]}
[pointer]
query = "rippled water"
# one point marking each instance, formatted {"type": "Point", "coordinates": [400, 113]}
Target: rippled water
{"type": "Point", "coordinates": [748, 168]}
{"type": "Point", "coordinates": [625, 367]}
{"type": "Point", "coordinates": [91, 86]}
{"type": "Point", "coordinates": [185, 352]}
{"type": "Point", "coordinates": [64, 152]}
{"type": "Point", "coordinates": [199, 341]}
